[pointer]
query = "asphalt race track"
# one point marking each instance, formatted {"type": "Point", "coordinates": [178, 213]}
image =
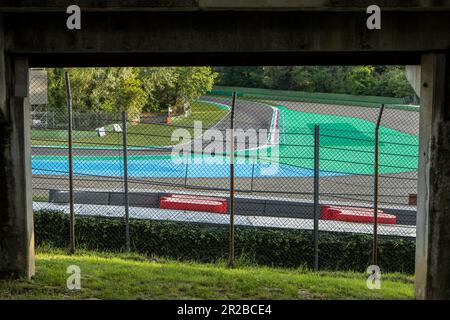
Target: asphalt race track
{"type": "Point", "coordinates": [351, 189]}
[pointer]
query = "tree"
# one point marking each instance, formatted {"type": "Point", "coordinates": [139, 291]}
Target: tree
{"type": "Point", "coordinates": [320, 79]}
{"type": "Point", "coordinates": [240, 76]}
{"type": "Point", "coordinates": [56, 89]}
{"type": "Point", "coordinates": [131, 97]}
{"type": "Point", "coordinates": [176, 85]}
{"type": "Point", "coordinates": [129, 89]}
{"type": "Point", "coordinates": [362, 80]}
{"type": "Point", "coordinates": [392, 82]}
{"type": "Point", "coordinates": [278, 77]}
{"type": "Point", "coordinates": [156, 82]}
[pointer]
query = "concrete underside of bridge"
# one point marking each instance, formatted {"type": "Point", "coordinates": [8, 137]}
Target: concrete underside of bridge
{"type": "Point", "coordinates": [202, 32]}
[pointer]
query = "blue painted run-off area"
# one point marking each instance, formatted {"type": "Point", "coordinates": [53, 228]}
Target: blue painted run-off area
{"type": "Point", "coordinates": [166, 168]}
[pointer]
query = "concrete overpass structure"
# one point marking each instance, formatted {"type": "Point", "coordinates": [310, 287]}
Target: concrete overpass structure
{"type": "Point", "coordinates": [228, 32]}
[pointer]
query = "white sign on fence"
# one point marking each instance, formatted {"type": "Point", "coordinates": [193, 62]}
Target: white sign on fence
{"type": "Point", "coordinates": [101, 131]}
{"type": "Point", "coordinates": [117, 127]}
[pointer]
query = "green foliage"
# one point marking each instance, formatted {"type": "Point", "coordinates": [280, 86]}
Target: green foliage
{"type": "Point", "coordinates": [320, 79]}
{"type": "Point", "coordinates": [240, 76]}
{"type": "Point", "coordinates": [392, 83]}
{"type": "Point", "coordinates": [129, 89]}
{"type": "Point", "coordinates": [280, 77]}
{"type": "Point", "coordinates": [361, 79]}
{"type": "Point", "coordinates": [130, 95]}
{"type": "Point", "coordinates": [358, 80]}
{"type": "Point", "coordinates": [208, 243]}
{"type": "Point", "coordinates": [56, 89]}
{"type": "Point", "coordinates": [174, 86]}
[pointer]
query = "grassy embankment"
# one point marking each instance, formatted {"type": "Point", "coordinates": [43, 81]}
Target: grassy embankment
{"type": "Point", "coordinates": [132, 276]}
{"type": "Point", "coordinates": [140, 135]}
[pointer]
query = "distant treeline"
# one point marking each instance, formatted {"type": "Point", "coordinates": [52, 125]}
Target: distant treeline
{"type": "Point", "coordinates": [388, 81]}
{"type": "Point", "coordinates": [137, 90]}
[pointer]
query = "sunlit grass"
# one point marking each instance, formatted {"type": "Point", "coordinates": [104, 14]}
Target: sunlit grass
{"type": "Point", "coordinates": [140, 135]}
{"type": "Point", "coordinates": [133, 276]}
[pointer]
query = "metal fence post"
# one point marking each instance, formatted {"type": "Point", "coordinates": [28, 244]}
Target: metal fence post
{"type": "Point", "coordinates": [125, 181]}
{"type": "Point", "coordinates": [316, 197]}
{"type": "Point", "coordinates": [253, 174]}
{"type": "Point", "coordinates": [375, 200]}
{"type": "Point", "coordinates": [70, 155]}
{"type": "Point", "coordinates": [231, 261]}
{"type": "Point", "coordinates": [186, 170]}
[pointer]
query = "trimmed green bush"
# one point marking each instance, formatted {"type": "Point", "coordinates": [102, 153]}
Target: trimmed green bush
{"type": "Point", "coordinates": [209, 243]}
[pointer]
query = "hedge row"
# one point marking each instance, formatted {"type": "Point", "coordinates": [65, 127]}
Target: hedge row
{"type": "Point", "coordinates": [208, 243]}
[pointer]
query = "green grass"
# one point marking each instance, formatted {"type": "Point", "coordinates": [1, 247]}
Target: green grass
{"type": "Point", "coordinates": [40, 198]}
{"type": "Point", "coordinates": [140, 135]}
{"type": "Point", "coordinates": [208, 113]}
{"type": "Point", "coordinates": [315, 97]}
{"type": "Point", "coordinates": [132, 276]}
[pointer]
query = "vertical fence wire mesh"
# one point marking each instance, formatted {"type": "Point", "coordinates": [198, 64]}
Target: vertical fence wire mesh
{"type": "Point", "coordinates": [178, 164]}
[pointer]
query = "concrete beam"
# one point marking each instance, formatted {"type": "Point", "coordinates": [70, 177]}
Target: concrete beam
{"type": "Point", "coordinates": [433, 203]}
{"type": "Point", "coordinates": [190, 5]}
{"type": "Point", "coordinates": [196, 34]}
{"type": "Point", "coordinates": [322, 5]}
{"type": "Point", "coordinates": [16, 215]}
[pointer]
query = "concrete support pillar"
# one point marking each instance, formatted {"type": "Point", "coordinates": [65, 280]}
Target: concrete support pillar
{"type": "Point", "coordinates": [413, 77]}
{"type": "Point", "coordinates": [433, 203]}
{"type": "Point", "coordinates": [16, 214]}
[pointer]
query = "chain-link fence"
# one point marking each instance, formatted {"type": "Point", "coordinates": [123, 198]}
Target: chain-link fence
{"type": "Point", "coordinates": [298, 179]}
